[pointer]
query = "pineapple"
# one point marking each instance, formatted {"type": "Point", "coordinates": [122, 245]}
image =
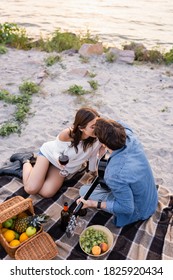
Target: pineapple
{"type": "Point", "coordinates": [21, 224]}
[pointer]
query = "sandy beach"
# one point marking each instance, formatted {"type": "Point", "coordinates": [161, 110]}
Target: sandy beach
{"type": "Point", "coordinates": [139, 94]}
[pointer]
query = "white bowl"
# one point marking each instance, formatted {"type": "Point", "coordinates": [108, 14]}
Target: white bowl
{"type": "Point", "coordinates": [103, 229]}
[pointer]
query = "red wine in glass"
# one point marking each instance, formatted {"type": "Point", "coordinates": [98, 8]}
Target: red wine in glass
{"type": "Point", "coordinates": [63, 160]}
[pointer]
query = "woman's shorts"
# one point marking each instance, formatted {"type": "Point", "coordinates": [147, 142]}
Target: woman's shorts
{"type": "Point", "coordinates": [40, 154]}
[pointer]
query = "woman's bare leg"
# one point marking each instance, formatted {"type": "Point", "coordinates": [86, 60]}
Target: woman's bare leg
{"type": "Point", "coordinates": [34, 177]}
{"type": "Point", "coordinates": [43, 178]}
{"type": "Point", "coordinates": [52, 183]}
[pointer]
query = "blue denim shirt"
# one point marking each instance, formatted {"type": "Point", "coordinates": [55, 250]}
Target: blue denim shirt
{"type": "Point", "coordinates": [129, 176]}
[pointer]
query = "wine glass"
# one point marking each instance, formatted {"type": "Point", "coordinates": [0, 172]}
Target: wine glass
{"type": "Point", "coordinates": [63, 160]}
{"type": "Point", "coordinates": [80, 225]}
{"type": "Point", "coordinates": [75, 225]}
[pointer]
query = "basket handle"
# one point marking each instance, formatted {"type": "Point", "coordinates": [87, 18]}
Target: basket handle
{"type": "Point", "coordinates": [16, 209]}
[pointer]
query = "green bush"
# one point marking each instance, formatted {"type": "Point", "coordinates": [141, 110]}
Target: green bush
{"type": "Point", "coordinates": [110, 57]}
{"type": "Point", "coordinates": [51, 60]}
{"type": "Point", "coordinates": [13, 36]}
{"type": "Point", "coordinates": [3, 49]}
{"type": "Point", "coordinates": [88, 38]}
{"type": "Point", "coordinates": [5, 95]}
{"type": "Point", "coordinates": [168, 57]}
{"type": "Point", "coordinates": [29, 88]}
{"type": "Point", "coordinates": [93, 84]}
{"type": "Point", "coordinates": [77, 90]}
{"type": "Point", "coordinates": [9, 127]}
{"type": "Point", "coordinates": [154, 56]}
{"type": "Point", "coordinates": [61, 41]}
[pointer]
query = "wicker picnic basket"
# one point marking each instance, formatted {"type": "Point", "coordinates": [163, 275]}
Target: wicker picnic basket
{"type": "Point", "coordinates": [39, 246]}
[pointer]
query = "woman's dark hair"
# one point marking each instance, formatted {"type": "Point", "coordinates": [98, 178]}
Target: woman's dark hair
{"type": "Point", "coordinates": [82, 118]}
{"type": "Point", "coordinates": [110, 133]}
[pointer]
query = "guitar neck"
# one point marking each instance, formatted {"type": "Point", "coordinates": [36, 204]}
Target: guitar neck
{"type": "Point", "coordinates": [92, 187]}
{"type": "Point", "coordinates": [102, 165]}
{"type": "Point", "coordinates": [101, 168]}
{"type": "Point", "coordinates": [86, 196]}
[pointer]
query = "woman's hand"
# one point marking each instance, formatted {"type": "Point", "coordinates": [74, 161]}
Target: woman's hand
{"type": "Point", "coordinates": [90, 176]}
{"type": "Point", "coordinates": [102, 151]}
{"type": "Point", "coordinates": [93, 173]}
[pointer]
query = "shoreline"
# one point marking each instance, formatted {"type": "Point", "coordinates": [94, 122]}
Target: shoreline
{"type": "Point", "coordinates": [46, 36]}
{"type": "Point", "coordinates": [107, 43]}
{"type": "Point", "coordinates": [139, 94]}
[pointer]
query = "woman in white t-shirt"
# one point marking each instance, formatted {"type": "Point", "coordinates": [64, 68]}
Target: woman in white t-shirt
{"type": "Point", "coordinates": [77, 142]}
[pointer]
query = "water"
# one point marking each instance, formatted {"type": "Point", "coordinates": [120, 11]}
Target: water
{"type": "Point", "coordinates": [115, 21]}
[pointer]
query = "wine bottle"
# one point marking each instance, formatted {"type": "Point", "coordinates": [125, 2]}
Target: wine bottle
{"type": "Point", "coordinates": [65, 216]}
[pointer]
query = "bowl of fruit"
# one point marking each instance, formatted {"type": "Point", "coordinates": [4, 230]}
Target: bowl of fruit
{"type": "Point", "coordinates": [96, 240]}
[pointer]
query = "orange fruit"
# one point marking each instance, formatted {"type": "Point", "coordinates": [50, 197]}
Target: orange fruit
{"type": "Point", "coordinates": [104, 247]}
{"type": "Point", "coordinates": [23, 237]}
{"type": "Point", "coordinates": [14, 243]}
{"type": "Point", "coordinates": [96, 250]}
{"type": "Point", "coordinates": [9, 235]}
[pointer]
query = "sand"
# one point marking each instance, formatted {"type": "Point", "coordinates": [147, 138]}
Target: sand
{"type": "Point", "coordinates": [140, 95]}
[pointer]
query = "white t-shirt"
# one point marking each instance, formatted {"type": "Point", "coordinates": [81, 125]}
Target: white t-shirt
{"type": "Point", "coordinates": [52, 150]}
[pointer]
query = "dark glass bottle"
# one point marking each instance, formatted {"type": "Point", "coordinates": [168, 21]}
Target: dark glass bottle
{"type": "Point", "coordinates": [65, 216]}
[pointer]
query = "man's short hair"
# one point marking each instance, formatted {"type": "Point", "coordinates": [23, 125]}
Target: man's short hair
{"type": "Point", "coordinates": [110, 133]}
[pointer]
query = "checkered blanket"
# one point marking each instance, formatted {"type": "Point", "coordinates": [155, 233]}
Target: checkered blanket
{"type": "Point", "coordinates": [144, 240]}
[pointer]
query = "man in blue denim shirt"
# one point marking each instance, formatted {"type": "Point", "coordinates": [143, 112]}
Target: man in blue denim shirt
{"type": "Point", "coordinates": [131, 193]}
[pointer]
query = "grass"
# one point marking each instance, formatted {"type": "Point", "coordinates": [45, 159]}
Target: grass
{"type": "Point", "coordinates": [84, 59]}
{"type": "Point", "coordinates": [61, 41]}
{"type": "Point", "coordinates": [92, 74]}
{"type": "Point", "coordinates": [165, 109]}
{"type": "Point", "coordinates": [77, 90]}
{"type": "Point", "coordinates": [52, 59]}
{"type": "Point", "coordinates": [22, 102]}
{"type": "Point", "coordinates": [154, 55]}
{"type": "Point", "coordinates": [110, 57]}
{"type": "Point", "coordinates": [28, 88]}
{"type": "Point", "coordinates": [93, 84]}
{"type": "Point", "coordinates": [3, 49]}
{"type": "Point", "coordinates": [168, 57]}
{"type": "Point", "coordinates": [9, 127]}
{"type": "Point", "coordinates": [14, 36]}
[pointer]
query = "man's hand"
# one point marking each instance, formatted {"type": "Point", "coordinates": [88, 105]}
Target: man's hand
{"type": "Point", "coordinates": [85, 202]}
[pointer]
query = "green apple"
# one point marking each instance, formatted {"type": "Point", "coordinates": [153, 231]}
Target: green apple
{"type": "Point", "coordinates": [8, 223]}
{"type": "Point", "coordinates": [30, 231]}
{"type": "Point", "coordinates": [16, 235]}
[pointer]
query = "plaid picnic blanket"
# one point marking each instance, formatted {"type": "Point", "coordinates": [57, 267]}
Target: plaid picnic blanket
{"type": "Point", "coordinates": [144, 240]}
